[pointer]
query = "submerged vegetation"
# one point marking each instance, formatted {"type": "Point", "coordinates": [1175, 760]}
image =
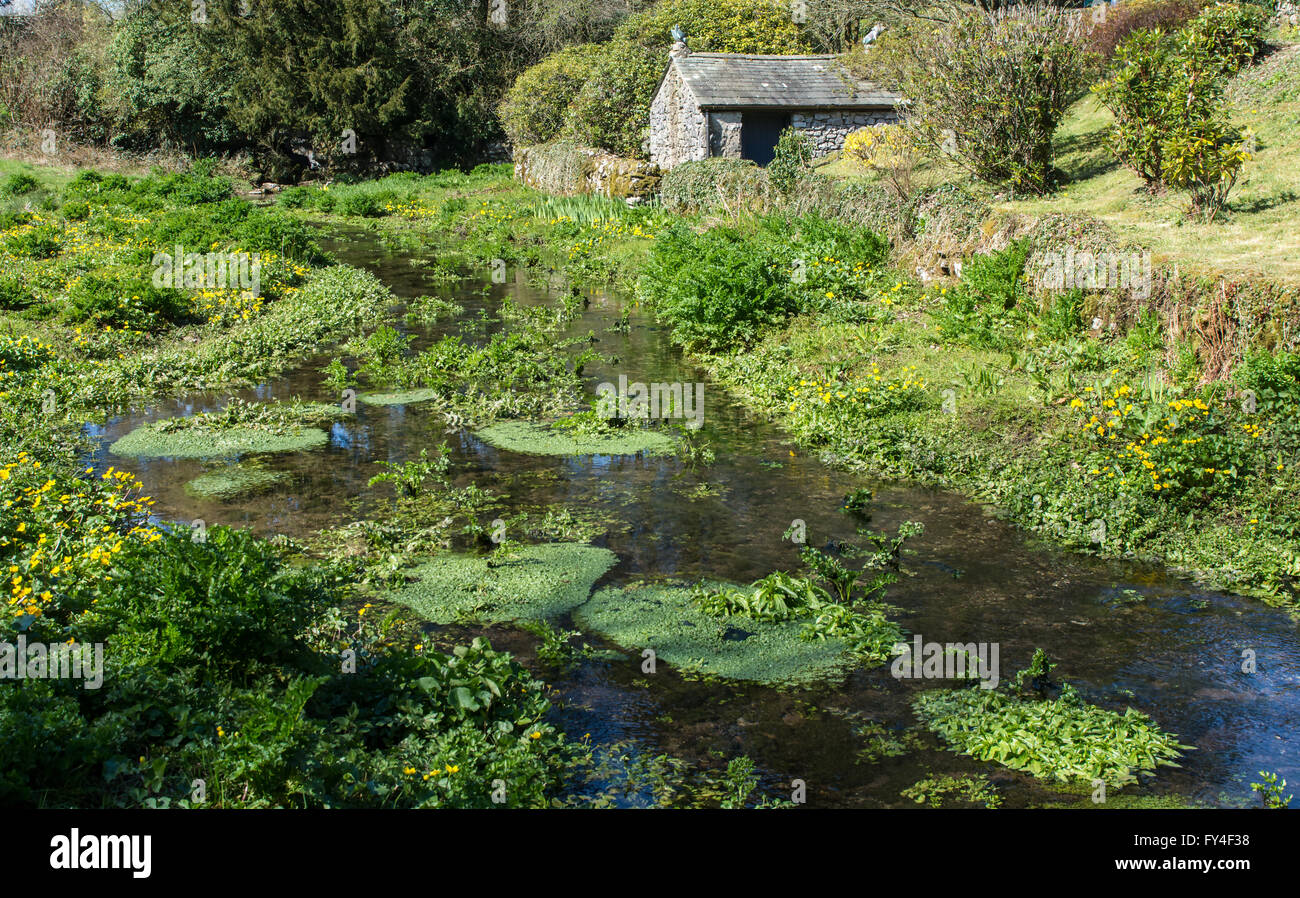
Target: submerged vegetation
{"type": "Point", "coordinates": [523, 582]}
{"type": "Point", "coordinates": [241, 428]}
{"type": "Point", "coordinates": [552, 439]}
{"type": "Point", "coordinates": [664, 619]}
{"type": "Point", "coordinates": [234, 482]}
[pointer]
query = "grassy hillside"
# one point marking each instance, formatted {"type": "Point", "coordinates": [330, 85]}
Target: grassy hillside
{"type": "Point", "coordinates": [1256, 238]}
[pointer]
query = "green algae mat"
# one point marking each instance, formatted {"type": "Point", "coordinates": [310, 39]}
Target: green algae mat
{"type": "Point", "coordinates": [531, 438]}
{"type": "Point", "coordinates": [401, 397]}
{"type": "Point", "coordinates": [531, 582]}
{"type": "Point", "coordinates": [234, 482]}
{"type": "Point", "coordinates": [226, 442]}
{"type": "Point", "coordinates": [663, 618]}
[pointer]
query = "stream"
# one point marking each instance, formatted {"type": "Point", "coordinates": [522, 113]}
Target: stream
{"type": "Point", "coordinates": [1120, 632]}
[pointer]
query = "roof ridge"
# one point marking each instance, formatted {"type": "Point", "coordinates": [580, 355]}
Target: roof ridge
{"type": "Point", "coordinates": [696, 53]}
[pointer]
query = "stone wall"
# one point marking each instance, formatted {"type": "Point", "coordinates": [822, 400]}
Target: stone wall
{"type": "Point", "coordinates": [827, 130]}
{"type": "Point", "coordinates": [679, 130]}
{"type": "Point", "coordinates": [564, 168]}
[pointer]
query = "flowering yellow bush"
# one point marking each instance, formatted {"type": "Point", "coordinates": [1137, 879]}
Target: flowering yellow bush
{"type": "Point", "coordinates": [821, 406]}
{"type": "Point", "coordinates": [58, 534]}
{"type": "Point", "coordinates": [1179, 447]}
{"type": "Point", "coordinates": [881, 147]}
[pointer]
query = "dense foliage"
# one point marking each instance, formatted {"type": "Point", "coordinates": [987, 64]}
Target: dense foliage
{"type": "Point", "coordinates": [297, 83]}
{"type": "Point", "coordinates": [612, 108]}
{"type": "Point", "coordinates": [990, 89]}
{"type": "Point", "coordinates": [535, 107]}
{"type": "Point", "coordinates": [1166, 92]}
{"type": "Point", "coordinates": [231, 678]}
{"type": "Point", "coordinates": [720, 290]}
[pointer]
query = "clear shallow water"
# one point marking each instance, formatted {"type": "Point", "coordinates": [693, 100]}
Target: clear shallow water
{"type": "Point", "coordinates": [1175, 655]}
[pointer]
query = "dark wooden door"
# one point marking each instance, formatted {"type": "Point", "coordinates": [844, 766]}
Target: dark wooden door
{"type": "Point", "coordinates": [759, 132]}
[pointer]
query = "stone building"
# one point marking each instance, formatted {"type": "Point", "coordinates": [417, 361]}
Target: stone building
{"type": "Point", "coordinates": [735, 105]}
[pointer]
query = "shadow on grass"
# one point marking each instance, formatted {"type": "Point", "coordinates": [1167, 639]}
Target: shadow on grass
{"type": "Point", "coordinates": [1264, 203]}
{"type": "Point", "coordinates": [1084, 156]}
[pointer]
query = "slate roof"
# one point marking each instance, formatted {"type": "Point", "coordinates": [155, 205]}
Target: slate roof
{"type": "Point", "coordinates": [739, 81]}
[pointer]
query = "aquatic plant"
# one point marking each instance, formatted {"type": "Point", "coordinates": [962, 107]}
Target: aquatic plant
{"type": "Point", "coordinates": [233, 482]}
{"type": "Point", "coordinates": [545, 439]}
{"type": "Point", "coordinates": [738, 784]}
{"type": "Point", "coordinates": [938, 791]}
{"type": "Point", "coordinates": [859, 501]}
{"type": "Point", "coordinates": [1063, 739]}
{"type": "Point", "coordinates": [879, 740]}
{"type": "Point", "coordinates": [149, 441]}
{"type": "Point", "coordinates": [532, 582]}
{"type": "Point", "coordinates": [555, 647]}
{"type": "Point", "coordinates": [664, 617]}
{"type": "Point", "coordinates": [240, 428]}
{"type": "Point", "coordinates": [408, 477]}
{"type": "Point", "coordinates": [1270, 790]}
{"type": "Point", "coordinates": [400, 397]}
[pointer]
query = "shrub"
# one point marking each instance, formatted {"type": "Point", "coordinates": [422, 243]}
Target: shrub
{"type": "Point", "coordinates": [1225, 37]}
{"type": "Point", "coordinates": [791, 160]}
{"type": "Point", "coordinates": [1205, 160]}
{"type": "Point", "coordinates": [612, 110]}
{"type": "Point", "coordinates": [535, 107]}
{"type": "Point", "coordinates": [990, 88]}
{"type": "Point", "coordinates": [717, 26]}
{"type": "Point", "coordinates": [715, 289]}
{"type": "Point", "coordinates": [734, 184]}
{"type": "Point", "coordinates": [1139, 93]}
{"type": "Point", "coordinates": [294, 197]}
{"type": "Point", "coordinates": [188, 188]}
{"type": "Point", "coordinates": [40, 241]}
{"type": "Point", "coordinates": [130, 302]}
{"type": "Point", "coordinates": [161, 94]}
{"type": "Point", "coordinates": [1167, 98]}
{"type": "Point", "coordinates": [19, 184]}
{"type": "Point", "coordinates": [889, 150]}
{"type": "Point", "coordinates": [363, 205]}
{"type": "Point", "coordinates": [75, 210]}
{"type": "Point", "coordinates": [13, 294]}
{"type": "Point", "coordinates": [720, 289]}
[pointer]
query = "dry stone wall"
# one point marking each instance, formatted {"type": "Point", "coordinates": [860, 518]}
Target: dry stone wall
{"type": "Point", "coordinates": [564, 168]}
{"type": "Point", "coordinates": [827, 130]}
